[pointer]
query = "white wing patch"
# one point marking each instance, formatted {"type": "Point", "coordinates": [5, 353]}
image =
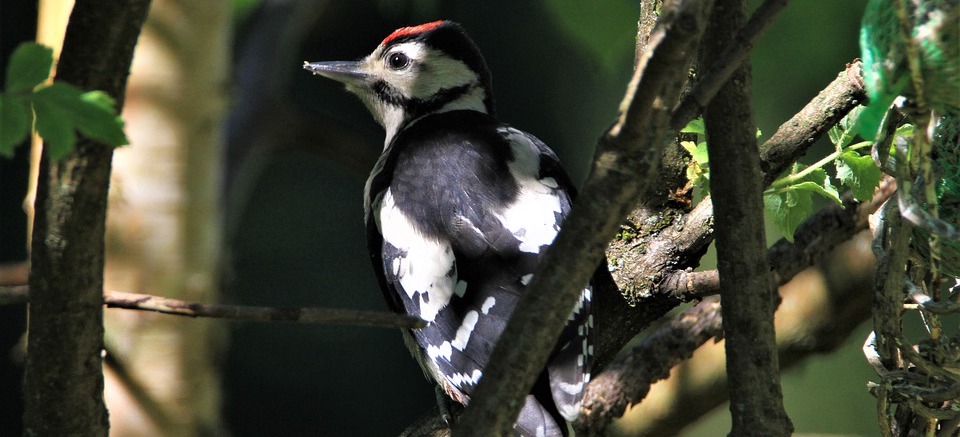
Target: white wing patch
{"type": "Point", "coordinates": [487, 304]}
{"type": "Point", "coordinates": [532, 217]}
{"type": "Point", "coordinates": [442, 351]}
{"type": "Point", "coordinates": [465, 329]}
{"type": "Point", "coordinates": [459, 379]}
{"type": "Point", "coordinates": [424, 269]}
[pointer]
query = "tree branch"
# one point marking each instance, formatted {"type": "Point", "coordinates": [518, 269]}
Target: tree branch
{"type": "Point", "coordinates": [746, 286]}
{"type": "Point", "coordinates": [734, 54]}
{"type": "Point", "coordinates": [821, 308]}
{"type": "Point", "coordinates": [627, 157]}
{"type": "Point", "coordinates": [675, 240]}
{"type": "Point", "coordinates": [63, 376]}
{"type": "Point", "coordinates": [671, 241]}
{"type": "Point", "coordinates": [320, 316]}
{"type": "Point", "coordinates": [627, 380]}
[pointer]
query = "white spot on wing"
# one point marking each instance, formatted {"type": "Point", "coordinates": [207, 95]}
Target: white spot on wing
{"type": "Point", "coordinates": [465, 329]}
{"type": "Point", "coordinates": [573, 389]}
{"type": "Point", "coordinates": [525, 279]}
{"type": "Point", "coordinates": [425, 267]}
{"type": "Point", "coordinates": [459, 379]}
{"type": "Point", "coordinates": [487, 304]}
{"type": "Point", "coordinates": [442, 351]}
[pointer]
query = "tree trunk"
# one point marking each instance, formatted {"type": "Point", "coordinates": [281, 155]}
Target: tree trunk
{"type": "Point", "coordinates": [63, 381]}
{"type": "Point", "coordinates": [746, 285]}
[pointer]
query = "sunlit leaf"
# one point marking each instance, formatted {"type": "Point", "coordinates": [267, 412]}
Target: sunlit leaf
{"type": "Point", "coordinates": [859, 173]}
{"type": "Point", "coordinates": [62, 108]}
{"type": "Point", "coordinates": [789, 208]}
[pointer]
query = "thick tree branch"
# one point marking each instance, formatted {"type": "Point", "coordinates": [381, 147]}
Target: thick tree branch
{"type": "Point", "coordinates": [675, 240]}
{"type": "Point", "coordinates": [63, 376]}
{"type": "Point", "coordinates": [746, 286]}
{"type": "Point", "coordinates": [821, 308]}
{"type": "Point", "coordinates": [671, 241]}
{"type": "Point", "coordinates": [627, 157]}
{"type": "Point", "coordinates": [319, 316]}
{"type": "Point", "coordinates": [628, 379]}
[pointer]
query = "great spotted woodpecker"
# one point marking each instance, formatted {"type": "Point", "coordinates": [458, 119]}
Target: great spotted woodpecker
{"type": "Point", "coordinates": [459, 209]}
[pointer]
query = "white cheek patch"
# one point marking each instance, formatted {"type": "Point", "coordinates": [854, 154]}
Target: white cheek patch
{"type": "Point", "coordinates": [532, 217]}
{"type": "Point", "coordinates": [424, 268]}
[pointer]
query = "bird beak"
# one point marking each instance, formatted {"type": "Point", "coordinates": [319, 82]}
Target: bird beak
{"type": "Point", "coordinates": [347, 72]}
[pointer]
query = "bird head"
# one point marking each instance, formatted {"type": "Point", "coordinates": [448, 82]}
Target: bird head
{"type": "Point", "coordinates": [415, 71]}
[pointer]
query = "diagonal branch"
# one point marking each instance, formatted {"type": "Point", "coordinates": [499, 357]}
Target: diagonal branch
{"type": "Point", "coordinates": [627, 380]}
{"type": "Point", "coordinates": [627, 157]}
{"type": "Point", "coordinates": [675, 240]}
{"type": "Point", "coordinates": [319, 316]}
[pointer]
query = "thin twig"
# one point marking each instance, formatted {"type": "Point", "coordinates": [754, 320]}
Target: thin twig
{"type": "Point", "coordinates": [320, 316]}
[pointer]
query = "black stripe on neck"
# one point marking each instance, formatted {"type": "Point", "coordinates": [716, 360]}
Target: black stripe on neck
{"type": "Point", "coordinates": [414, 107]}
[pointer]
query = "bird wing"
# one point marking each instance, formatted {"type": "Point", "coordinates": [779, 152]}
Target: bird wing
{"type": "Point", "coordinates": [461, 225]}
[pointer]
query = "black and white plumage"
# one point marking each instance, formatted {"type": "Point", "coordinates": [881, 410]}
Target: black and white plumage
{"type": "Point", "coordinates": [459, 210]}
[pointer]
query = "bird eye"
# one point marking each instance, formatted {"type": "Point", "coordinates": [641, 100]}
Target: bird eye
{"type": "Point", "coordinates": [398, 61]}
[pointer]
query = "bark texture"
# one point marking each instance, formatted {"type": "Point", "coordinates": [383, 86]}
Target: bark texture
{"type": "Point", "coordinates": [63, 381]}
{"type": "Point", "coordinates": [746, 285]}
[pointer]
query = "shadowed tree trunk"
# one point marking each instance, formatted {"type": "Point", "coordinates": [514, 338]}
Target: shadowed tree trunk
{"type": "Point", "coordinates": [746, 285]}
{"type": "Point", "coordinates": [63, 381]}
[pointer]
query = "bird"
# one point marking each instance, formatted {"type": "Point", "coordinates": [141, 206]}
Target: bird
{"type": "Point", "coordinates": [459, 209]}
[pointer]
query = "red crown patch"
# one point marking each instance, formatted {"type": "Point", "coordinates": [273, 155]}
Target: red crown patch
{"type": "Point", "coordinates": [412, 30]}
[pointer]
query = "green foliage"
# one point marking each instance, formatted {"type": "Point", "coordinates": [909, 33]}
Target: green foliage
{"type": "Point", "coordinates": [790, 203]}
{"type": "Point", "coordinates": [789, 200]}
{"type": "Point", "coordinates": [29, 66]}
{"type": "Point", "coordinates": [788, 209]}
{"type": "Point", "coordinates": [606, 28]}
{"type": "Point", "coordinates": [59, 109]}
{"type": "Point", "coordinates": [14, 124]}
{"type": "Point", "coordinates": [859, 173]}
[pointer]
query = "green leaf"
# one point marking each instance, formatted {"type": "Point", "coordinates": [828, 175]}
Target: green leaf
{"type": "Point", "coordinates": [14, 124]}
{"type": "Point", "coordinates": [835, 134]}
{"type": "Point", "coordinates": [700, 154]}
{"type": "Point", "coordinates": [695, 126]}
{"type": "Point", "coordinates": [828, 191]}
{"type": "Point", "coordinates": [104, 124]}
{"type": "Point", "coordinates": [859, 173]}
{"type": "Point", "coordinates": [817, 181]}
{"type": "Point", "coordinates": [62, 108]}
{"type": "Point", "coordinates": [29, 66]}
{"type": "Point", "coordinates": [788, 208]}
{"type": "Point", "coordinates": [54, 126]}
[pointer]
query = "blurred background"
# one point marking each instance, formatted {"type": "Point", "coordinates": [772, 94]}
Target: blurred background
{"type": "Point", "coordinates": [243, 184]}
